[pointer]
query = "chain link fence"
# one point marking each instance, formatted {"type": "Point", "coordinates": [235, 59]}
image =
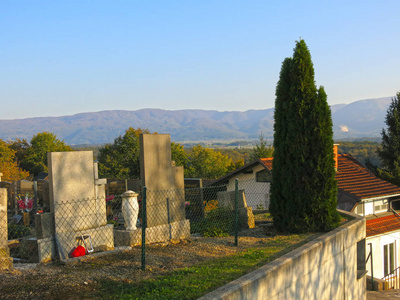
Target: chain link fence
{"type": "Point", "coordinates": [77, 227]}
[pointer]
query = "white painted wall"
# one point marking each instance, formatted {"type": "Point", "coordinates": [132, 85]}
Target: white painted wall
{"type": "Point", "coordinates": [257, 193]}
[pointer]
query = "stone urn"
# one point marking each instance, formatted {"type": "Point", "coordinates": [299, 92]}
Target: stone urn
{"type": "Point", "coordinates": [130, 209]}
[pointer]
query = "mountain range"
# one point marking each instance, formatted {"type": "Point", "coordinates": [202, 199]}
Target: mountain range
{"type": "Point", "coordinates": [363, 118]}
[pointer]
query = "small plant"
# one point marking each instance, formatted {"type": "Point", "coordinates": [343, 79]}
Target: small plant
{"type": "Point", "coordinates": [17, 231]}
{"type": "Point", "coordinates": [260, 206]}
{"type": "Point", "coordinates": [214, 232]}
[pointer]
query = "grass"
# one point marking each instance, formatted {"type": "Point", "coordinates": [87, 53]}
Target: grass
{"type": "Point", "coordinates": [193, 282]}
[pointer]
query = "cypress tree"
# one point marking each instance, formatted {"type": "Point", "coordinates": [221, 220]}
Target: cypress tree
{"type": "Point", "coordinates": [303, 189]}
{"type": "Point", "coordinates": [389, 152]}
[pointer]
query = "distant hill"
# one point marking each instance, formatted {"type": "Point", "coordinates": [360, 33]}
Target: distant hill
{"type": "Point", "coordinates": [364, 118]}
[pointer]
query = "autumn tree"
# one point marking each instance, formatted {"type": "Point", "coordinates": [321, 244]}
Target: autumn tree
{"type": "Point", "coordinates": [389, 152]}
{"type": "Point", "coordinates": [8, 166]}
{"type": "Point", "coordinates": [208, 163]}
{"type": "Point", "coordinates": [179, 155]}
{"type": "Point", "coordinates": [262, 149]}
{"type": "Point", "coordinates": [303, 189]}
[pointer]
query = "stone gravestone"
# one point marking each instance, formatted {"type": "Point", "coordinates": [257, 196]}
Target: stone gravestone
{"type": "Point", "coordinates": [6, 262]}
{"type": "Point", "coordinates": [165, 189]}
{"type": "Point", "coordinates": [245, 213]}
{"type": "Point", "coordinates": [77, 200]}
{"type": "Point", "coordinates": [165, 195]}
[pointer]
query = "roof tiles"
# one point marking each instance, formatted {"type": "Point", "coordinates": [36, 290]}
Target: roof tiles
{"type": "Point", "coordinates": [356, 180]}
{"type": "Point", "coordinates": [383, 225]}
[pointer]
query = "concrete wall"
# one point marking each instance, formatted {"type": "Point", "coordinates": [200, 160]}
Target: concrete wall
{"type": "Point", "coordinates": [325, 268]}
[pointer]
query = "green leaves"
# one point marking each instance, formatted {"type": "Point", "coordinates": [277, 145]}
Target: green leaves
{"type": "Point", "coordinates": [207, 163]}
{"type": "Point", "coordinates": [120, 160]}
{"type": "Point", "coordinates": [389, 153]}
{"type": "Point", "coordinates": [303, 190]}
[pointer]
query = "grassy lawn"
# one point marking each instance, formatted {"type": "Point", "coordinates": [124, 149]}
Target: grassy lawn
{"type": "Point", "coordinates": [193, 282]}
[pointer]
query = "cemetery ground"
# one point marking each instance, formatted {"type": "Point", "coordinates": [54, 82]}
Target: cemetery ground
{"type": "Point", "coordinates": [185, 269]}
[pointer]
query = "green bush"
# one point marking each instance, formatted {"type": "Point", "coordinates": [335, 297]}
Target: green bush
{"type": "Point", "coordinates": [17, 231]}
{"type": "Point", "coordinates": [218, 222]}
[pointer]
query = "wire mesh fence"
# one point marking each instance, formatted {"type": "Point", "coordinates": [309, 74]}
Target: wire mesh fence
{"type": "Point", "coordinates": [40, 232]}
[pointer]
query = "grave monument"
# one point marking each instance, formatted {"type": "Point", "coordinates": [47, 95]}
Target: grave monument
{"type": "Point", "coordinates": [6, 261]}
{"type": "Point", "coordinates": [166, 218]}
{"type": "Point", "coordinates": [245, 213]}
{"type": "Point", "coordinates": [165, 199]}
{"type": "Point", "coordinates": [77, 200]}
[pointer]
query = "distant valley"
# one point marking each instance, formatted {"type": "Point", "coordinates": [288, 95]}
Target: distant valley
{"type": "Point", "coordinates": [364, 118]}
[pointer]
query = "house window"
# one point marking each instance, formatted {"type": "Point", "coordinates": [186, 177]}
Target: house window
{"type": "Point", "coordinates": [381, 206]}
{"type": "Point", "coordinates": [361, 265]}
{"type": "Point", "coordinates": [388, 258]}
{"type": "Point", "coordinates": [263, 176]}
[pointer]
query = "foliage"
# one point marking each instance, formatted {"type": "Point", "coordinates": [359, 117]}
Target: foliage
{"type": "Point", "coordinates": [8, 166]}
{"type": "Point", "coordinates": [262, 149]}
{"type": "Point", "coordinates": [209, 163]}
{"type": "Point", "coordinates": [17, 231]}
{"type": "Point", "coordinates": [179, 155]}
{"type": "Point", "coordinates": [389, 152]}
{"type": "Point", "coordinates": [363, 151]}
{"type": "Point", "coordinates": [120, 160]}
{"type": "Point", "coordinates": [303, 189]}
{"type": "Point", "coordinates": [32, 157]}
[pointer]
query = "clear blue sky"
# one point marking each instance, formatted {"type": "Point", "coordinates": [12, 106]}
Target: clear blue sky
{"type": "Point", "coordinates": [66, 57]}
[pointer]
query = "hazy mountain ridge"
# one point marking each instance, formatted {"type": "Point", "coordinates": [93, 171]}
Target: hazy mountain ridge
{"type": "Point", "coordinates": [364, 118]}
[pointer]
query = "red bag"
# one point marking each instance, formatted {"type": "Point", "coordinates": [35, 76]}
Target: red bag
{"type": "Point", "coordinates": [78, 251]}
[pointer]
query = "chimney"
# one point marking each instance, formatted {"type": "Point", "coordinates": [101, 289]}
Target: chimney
{"type": "Point", "coordinates": [335, 155]}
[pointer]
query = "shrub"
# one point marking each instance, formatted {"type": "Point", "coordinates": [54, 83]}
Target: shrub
{"type": "Point", "coordinates": [218, 222]}
{"type": "Point", "coordinates": [17, 231]}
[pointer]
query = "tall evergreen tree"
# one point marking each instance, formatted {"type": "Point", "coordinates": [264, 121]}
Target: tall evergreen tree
{"type": "Point", "coordinates": [303, 190]}
{"type": "Point", "coordinates": [389, 152]}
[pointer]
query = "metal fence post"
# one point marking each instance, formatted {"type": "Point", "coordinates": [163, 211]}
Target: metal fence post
{"type": "Point", "coordinates": [144, 225]}
{"type": "Point", "coordinates": [372, 266]}
{"type": "Point", "coordinates": [236, 210]}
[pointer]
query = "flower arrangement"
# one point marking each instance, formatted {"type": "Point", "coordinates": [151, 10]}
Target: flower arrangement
{"type": "Point", "coordinates": [25, 204]}
{"type": "Point", "coordinates": [110, 198]}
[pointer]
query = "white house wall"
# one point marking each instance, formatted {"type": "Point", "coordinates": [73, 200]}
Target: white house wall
{"type": "Point", "coordinates": [257, 193]}
{"type": "Point", "coordinates": [378, 242]}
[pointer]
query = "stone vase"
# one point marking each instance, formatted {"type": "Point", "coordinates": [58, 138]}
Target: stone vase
{"type": "Point", "coordinates": [130, 209]}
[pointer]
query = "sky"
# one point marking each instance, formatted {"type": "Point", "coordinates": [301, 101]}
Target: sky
{"type": "Point", "coordinates": [66, 57]}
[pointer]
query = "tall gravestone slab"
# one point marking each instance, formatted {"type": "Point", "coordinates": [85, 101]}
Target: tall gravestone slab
{"type": "Point", "coordinates": [165, 185]}
{"type": "Point", "coordinates": [6, 262]}
{"type": "Point", "coordinates": [77, 199]}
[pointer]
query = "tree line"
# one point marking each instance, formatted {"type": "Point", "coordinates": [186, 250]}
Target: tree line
{"type": "Point", "coordinates": [20, 159]}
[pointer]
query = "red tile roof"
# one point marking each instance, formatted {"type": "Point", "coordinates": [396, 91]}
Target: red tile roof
{"type": "Point", "coordinates": [267, 162]}
{"type": "Point", "coordinates": [383, 225]}
{"type": "Point", "coordinates": [355, 179]}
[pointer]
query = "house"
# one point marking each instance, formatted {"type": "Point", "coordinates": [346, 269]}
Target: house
{"type": "Point", "coordinates": [254, 178]}
{"type": "Point", "coordinates": [359, 191]}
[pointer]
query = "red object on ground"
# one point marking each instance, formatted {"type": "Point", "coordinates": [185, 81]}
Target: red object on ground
{"type": "Point", "coordinates": [78, 251]}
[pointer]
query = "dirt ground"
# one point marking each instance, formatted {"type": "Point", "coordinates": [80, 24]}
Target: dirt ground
{"type": "Point", "coordinates": [80, 280]}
